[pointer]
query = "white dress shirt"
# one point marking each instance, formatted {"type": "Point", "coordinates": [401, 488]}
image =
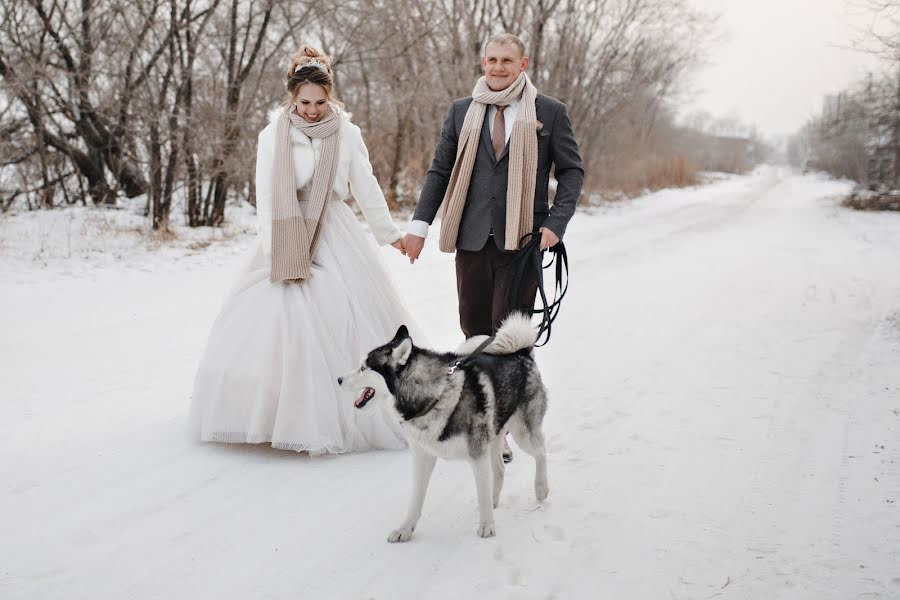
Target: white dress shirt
{"type": "Point", "coordinates": [509, 115]}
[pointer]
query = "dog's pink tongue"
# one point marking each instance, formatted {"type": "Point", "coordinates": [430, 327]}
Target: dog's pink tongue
{"type": "Point", "coordinates": [364, 397]}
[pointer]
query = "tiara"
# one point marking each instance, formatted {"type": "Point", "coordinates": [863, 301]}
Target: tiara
{"type": "Point", "coordinates": [312, 63]}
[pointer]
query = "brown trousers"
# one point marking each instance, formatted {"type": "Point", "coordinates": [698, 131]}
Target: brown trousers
{"type": "Point", "coordinates": [482, 280]}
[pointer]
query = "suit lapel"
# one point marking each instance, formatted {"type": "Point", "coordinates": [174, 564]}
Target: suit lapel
{"type": "Point", "coordinates": [486, 136]}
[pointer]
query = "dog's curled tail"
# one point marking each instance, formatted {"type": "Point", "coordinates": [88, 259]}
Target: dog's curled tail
{"type": "Point", "coordinates": [515, 333]}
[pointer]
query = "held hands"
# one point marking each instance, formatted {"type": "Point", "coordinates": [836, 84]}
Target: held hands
{"type": "Point", "coordinates": [412, 246]}
{"type": "Point", "coordinates": [548, 238]}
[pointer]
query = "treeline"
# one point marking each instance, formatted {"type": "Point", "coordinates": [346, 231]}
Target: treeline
{"type": "Point", "coordinates": [857, 134]}
{"type": "Point", "coordinates": [108, 98]}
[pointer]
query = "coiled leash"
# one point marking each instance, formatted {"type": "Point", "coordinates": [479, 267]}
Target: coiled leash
{"type": "Point", "coordinates": [530, 257]}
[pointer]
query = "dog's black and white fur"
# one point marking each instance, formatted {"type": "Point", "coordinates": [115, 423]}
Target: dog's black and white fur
{"type": "Point", "coordinates": [463, 414]}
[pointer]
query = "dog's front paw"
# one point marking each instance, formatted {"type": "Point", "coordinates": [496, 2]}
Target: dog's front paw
{"type": "Point", "coordinates": [402, 534]}
{"type": "Point", "coordinates": [486, 530]}
{"type": "Point", "coordinates": [541, 489]}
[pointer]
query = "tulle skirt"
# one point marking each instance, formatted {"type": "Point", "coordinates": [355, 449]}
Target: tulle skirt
{"type": "Point", "coordinates": [270, 368]}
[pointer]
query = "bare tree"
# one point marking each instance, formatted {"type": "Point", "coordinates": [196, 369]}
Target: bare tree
{"type": "Point", "coordinates": [164, 97]}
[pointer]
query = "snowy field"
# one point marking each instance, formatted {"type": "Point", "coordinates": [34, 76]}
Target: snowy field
{"type": "Point", "coordinates": [725, 411]}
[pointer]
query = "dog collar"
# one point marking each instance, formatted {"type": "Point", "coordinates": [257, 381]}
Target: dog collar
{"type": "Point", "coordinates": [427, 409]}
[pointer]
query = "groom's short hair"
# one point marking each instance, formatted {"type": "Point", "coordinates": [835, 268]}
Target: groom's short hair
{"type": "Point", "coordinates": [504, 39]}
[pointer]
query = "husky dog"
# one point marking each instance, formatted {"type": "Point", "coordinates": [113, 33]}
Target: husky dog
{"type": "Point", "coordinates": [456, 406]}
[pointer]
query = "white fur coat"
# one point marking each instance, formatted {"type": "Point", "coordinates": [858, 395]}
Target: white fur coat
{"type": "Point", "coordinates": [354, 176]}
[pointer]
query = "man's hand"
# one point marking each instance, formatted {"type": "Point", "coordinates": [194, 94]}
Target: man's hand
{"type": "Point", "coordinates": [548, 238]}
{"type": "Point", "coordinates": [412, 245]}
{"type": "Point", "coordinates": [399, 246]}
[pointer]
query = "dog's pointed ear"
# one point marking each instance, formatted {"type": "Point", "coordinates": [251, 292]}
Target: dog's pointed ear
{"type": "Point", "coordinates": [402, 334]}
{"type": "Point", "coordinates": [402, 351]}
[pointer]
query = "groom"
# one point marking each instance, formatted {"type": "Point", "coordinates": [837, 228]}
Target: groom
{"type": "Point", "coordinates": [491, 171]}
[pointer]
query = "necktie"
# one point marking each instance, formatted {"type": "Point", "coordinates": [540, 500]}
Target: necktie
{"type": "Point", "coordinates": [498, 137]}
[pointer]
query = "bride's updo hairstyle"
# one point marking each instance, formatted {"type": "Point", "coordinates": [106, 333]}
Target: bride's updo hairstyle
{"type": "Point", "coordinates": [310, 65]}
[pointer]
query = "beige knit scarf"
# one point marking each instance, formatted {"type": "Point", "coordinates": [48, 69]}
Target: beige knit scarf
{"type": "Point", "coordinates": [522, 162]}
{"type": "Point", "coordinates": [296, 232]}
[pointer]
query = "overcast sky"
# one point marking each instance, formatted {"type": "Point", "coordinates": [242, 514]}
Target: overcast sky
{"type": "Point", "coordinates": [778, 59]}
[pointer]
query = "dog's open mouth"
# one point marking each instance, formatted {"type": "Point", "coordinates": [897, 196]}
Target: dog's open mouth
{"type": "Point", "coordinates": [366, 395]}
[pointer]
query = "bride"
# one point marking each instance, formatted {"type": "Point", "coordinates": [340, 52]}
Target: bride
{"type": "Point", "coordinates": [316, 296]}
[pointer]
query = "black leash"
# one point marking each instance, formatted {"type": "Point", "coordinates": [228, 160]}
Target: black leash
{"type": "Point", "coordinates": [466, 359]}
{"type": "Point", "coordinates": [530, 257]}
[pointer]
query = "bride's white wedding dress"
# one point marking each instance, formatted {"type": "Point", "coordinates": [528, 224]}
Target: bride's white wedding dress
{"type": "Point", "coordinates": [276, 349]}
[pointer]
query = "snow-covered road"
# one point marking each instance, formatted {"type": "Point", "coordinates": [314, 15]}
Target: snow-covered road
{"type": "Point", "coordinates": [725, 389]}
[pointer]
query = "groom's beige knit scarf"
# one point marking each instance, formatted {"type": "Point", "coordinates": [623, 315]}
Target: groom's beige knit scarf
{"type": "Point", "coordinates": [522, 162]}
{"type": "Point", "coordinates": [295, 232]}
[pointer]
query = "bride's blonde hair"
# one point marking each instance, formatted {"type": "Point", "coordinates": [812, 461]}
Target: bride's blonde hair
{"type": "Point", "coordinates": [301, 72]}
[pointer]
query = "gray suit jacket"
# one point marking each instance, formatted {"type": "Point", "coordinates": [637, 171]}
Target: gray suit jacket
{"type": "Point", "coordinates": [486, 201]}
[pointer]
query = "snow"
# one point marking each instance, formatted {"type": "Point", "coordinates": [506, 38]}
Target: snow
{"type": "Point", "coordinates": [725, 404]}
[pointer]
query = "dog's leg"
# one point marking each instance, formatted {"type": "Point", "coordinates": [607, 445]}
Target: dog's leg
{"type": "Point", "coordinates": [541, 486]}
{"type": "Point", "coordinates": [423, 465]}
{"type": "Point", "coordinates": [483, 474]}
{"type": "Point", "coordinates": [532, 442]}
{"type": "Point", "coordinates": [498, 465]}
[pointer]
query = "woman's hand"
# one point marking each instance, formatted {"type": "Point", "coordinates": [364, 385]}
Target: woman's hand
{"type": "Point", "coordinates": [399, 246]}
